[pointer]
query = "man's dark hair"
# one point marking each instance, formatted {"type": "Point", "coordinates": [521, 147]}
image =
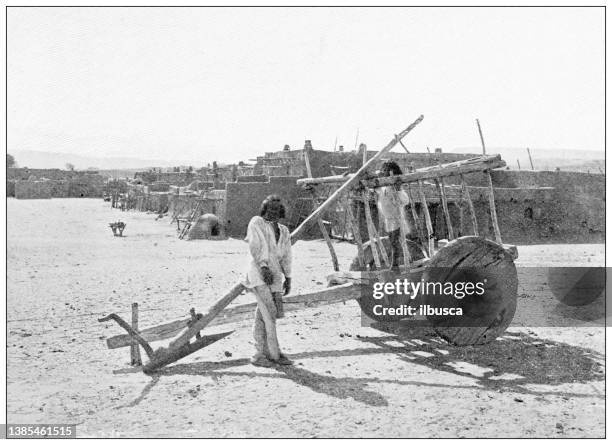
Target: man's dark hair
{"type": "Point", "coordinates": [390, 167]}
{"type": "Point", "coordinates": [272, 200]}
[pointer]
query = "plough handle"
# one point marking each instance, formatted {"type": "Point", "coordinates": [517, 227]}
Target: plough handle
{"type": "Point", "coordinates": [121, 322]}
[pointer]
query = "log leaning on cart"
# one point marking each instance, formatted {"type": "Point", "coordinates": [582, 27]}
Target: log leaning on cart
{"type": "Point", "coordinates": [484, 318]}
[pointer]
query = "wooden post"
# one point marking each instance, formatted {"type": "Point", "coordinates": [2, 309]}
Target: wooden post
{"type": "Point", "coordinates": [417, 221]}
{"type": "Point", "coordinates": [364, 155]}
{"type": "Point", "coordinates": [403, 146]}
{"type": "Point", "coordinates": [449, 225]}
{"type": "Point", "coordinates": [466, 194]}
{"type": "Point", "coordinates": [530, 160]}
{"type": "Point", "coordinates": [135, 350]}
{"type": "Point", "coordinates": [492, 209]}
{"type": "Point", "coordinates": [356, 232]}
{"type": "Point", "coordinates": [374, 246]}
{"type": "Point", "coordinates": [519, 164]}
{"type": "Point", "coordinates": [484, 150]}
{"type": "Point", "coordinates": [430, 241]}
{"type": "Point", "coordinates": [194, 318]}
{"type": "Point", "coordinates": [322, 228]}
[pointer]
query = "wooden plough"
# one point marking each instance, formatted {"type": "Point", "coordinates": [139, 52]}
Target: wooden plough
{"type": "Point", "coordinates": [370, 265]}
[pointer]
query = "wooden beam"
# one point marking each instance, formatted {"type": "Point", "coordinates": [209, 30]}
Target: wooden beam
{"type": "Point", "coordinates": [374, 247]}
{"type": "Point", "coordinates": [356, 233]}
{"type": "Point", "coordinates": [530, 160]}
{"type": "Point", "coordinates": [351, 181]}
{"type": "Point", "coordinates": [212, 312]}
{"type": "Point", "coordinates": [403, 146]}
{"type": "Point", "coordinates": [484, 150]}
{"type": "Point", "coordinates": [466, 194]}
{"type": "Point", "coordinates": [498, 238]}
{"type": "Point", "coordinates": [447, 217]}
{"type": "Point", "coordinates": [330, 295]}
{"type": "Point", "coordinates": [135, 350]}
{"type": "Point", "coordinates": [433, 173]}
{"type": "Point", "coordinates": [472, 165]}
{"type": "Point", "coordinates": [417, 221]}
{"type": "Point", "coordinates": [430, 241]}
{"type": "Point", "coordinates": [330, 246]}
{"type": "Point", "coordinates": [322, 228]}
{"type": "Point", "coordinates": [132, 333]}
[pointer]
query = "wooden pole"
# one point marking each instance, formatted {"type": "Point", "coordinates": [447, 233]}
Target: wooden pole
{"type": "Point", "coordinates": [417, 220]}
{"type": "Point", "coordinates": [478, 164]}
{"type": "Point", "coordinates": [320, 223]}
{"type": "Point", "coordinates": [447, 217]}
{"type": "Point", "coordinates": [212, 312]}
{"type": "Point", "coordinates": [530, 160]}
{"type": "Point", "coordinates": [364, 155]}
{"type": "Point", "coordinates": [519, 164]}
{"type": "Point", "coordinates": [194, 318]}
{"type": "Point", "coordinates": [484, 150]}
{"type": "Point", "coordinates": [430, 241]}
{"type": "Point", "coordinates": [351, 181]}
{"type": "Point", "coordinates": [356, 233]}
{"type": "Point", "coordinates": [135, 350]}
{"type": "Point", "coordinates": [498, 238]}
{"type": "Point", "coordinates": [403, 146]}
{"type": "Point", "coordinates": [374, 246]}
{"type": "Point", "coordinates": [466, 194]}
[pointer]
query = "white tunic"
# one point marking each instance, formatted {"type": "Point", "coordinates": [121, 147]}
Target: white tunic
{"type": "Point", "coordinates": [265, 251]}
{"type": "Point", "coordinates": [389, 204]}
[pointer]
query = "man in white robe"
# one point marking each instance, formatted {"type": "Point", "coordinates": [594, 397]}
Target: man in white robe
{"type": "Point", "coordinates": [268, 277]}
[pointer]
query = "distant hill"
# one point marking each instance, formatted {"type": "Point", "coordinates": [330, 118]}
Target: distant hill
{"type": "Point", "coordinates": [42, 159]}
{"type": "Point", "coordinates": [546, 159]}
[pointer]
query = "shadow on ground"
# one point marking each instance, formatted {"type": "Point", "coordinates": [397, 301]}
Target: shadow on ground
{"type": "Point", "coordinates": [507, 364]}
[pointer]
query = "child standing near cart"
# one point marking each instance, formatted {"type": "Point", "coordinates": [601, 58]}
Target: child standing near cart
{"type": "Point", "coordinates": [390, 199]}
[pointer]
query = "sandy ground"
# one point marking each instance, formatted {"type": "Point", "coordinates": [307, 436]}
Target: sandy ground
{"type": "Point", "coordinates": [65, 269]}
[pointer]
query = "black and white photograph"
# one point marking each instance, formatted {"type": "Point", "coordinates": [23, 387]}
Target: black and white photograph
{"type": "Point", "coordinates": [305, 222]}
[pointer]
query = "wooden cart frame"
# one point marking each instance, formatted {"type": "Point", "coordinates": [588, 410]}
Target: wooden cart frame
{"type": "Point", "coordinates": [473, 251]}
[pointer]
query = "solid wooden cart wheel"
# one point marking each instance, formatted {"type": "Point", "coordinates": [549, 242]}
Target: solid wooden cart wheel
{"type": "Point", "coordinates": [486, 316]}
{"type": "Point", "coordinates": [367, 302]}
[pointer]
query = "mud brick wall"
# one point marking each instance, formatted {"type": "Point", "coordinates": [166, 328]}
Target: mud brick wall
{"type": "Point", "coordinates": [157, 202]}
{"type": "Point", "coordinates": [527, 216]}
{"type": "Point", "coordinates": [243, 200]}
{"type": "Point", "coordinates": [185, 204]}
{"type": "Point", "coordinates": [22, 173]}
{"type": "Point", "coordinates": [32, 190]}
{"type": "Point", "coordinates": [252, 178]}
{"type": "Point", "coordinates": [10, 189]}
{"type": "Point", "coordinates": [59, 188]}
{"type": "Point", "coordinates": [574, 212]}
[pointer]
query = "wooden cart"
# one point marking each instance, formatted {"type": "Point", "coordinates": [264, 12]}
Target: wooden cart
{"type": "Point", "coordinates": [464, 258]}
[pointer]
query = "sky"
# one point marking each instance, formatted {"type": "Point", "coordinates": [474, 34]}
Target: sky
{"type": "Point", "coordinates": [229, 84]}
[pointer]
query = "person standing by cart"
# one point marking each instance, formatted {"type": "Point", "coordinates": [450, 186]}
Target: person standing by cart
{"type": "Point", "coordinates": [269, 278]}
{"type": "Point", "coordinates": [390, 199]}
